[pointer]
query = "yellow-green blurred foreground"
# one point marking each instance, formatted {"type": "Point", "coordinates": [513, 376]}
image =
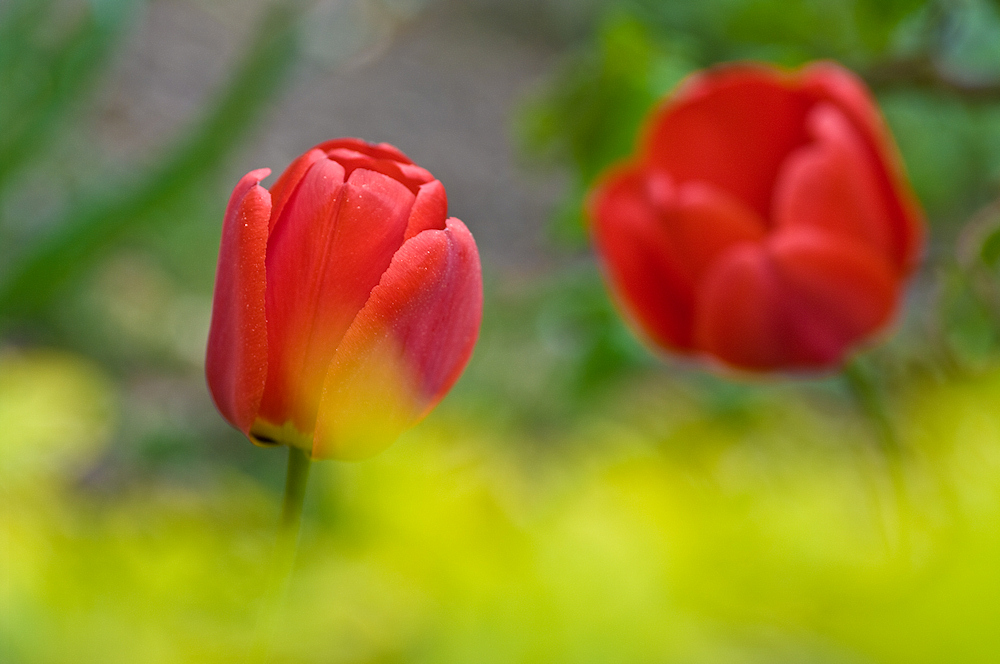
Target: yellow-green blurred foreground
{"type": "Point", "coordinates": [656, 530]}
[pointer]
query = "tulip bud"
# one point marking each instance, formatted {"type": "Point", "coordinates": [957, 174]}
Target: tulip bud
{"type": "Point", "coordinates": [765, 221]}
{"type": "Point", "coordinates": [346, 302]}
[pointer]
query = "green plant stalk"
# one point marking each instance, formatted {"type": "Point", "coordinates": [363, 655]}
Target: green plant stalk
{"type": "Point", "coordinates": [283, 561]}
{"type": "Point", "coordinates": [295, 493]}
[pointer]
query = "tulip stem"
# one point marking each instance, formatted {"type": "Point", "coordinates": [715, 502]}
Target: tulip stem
{"type": "Point", "coordinates": [870, 402]}
{"type": "Point", "coordinates": [295, 493]}
{"type": "Point", "coordinates": [291, 519]}
{"type": "Point", "coordinates": [283, 563]}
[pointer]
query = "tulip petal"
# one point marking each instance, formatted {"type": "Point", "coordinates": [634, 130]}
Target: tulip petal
{"type": "Point", "coordinates": [407, 346]}
{"type": "Point", "coordinates": [657, 240]}
{"type": "Point", "coordinates": [849, 281]}
{"type": "Point", "coordinates": [831, 185]}
{"type": "Point", "coordinates": [732, 127]}
{"type": "Point", "coordinates": [739, 312]}
{"type": "Point", "coordinates": [830, 82]}
{"type": "Point", "coordinates": [373, 150]}
{"type": "Point", "coordinates": [324, 258]}
{"type": "Point", "coordinates": [802, 301]}
{"type": "Point", "coordinates": [430, 209]}
{"type": "Point", "coordinates": [236, 362]}
{"type": "Point", "coordinates": [705, 222]}
{"type": "Point", "coordinates": [638, 261]}
{"type": "Point", "coordinates": [289, 181]}
{"type": "Point", "coordinates": [837, 85]}
{"type": "Point", "coordinates": [410, 175]}
{"type": "Point", "coordinates": [382, 157]}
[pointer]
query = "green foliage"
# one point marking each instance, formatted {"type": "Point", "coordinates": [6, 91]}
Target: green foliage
{"type": "Point", "coordinates": [974, 41]}
{"type": "Point", "coordinates": [591, 117]}
{"type": "Point", "coordinates": [47, 63]}
{"type": "Point", "coordinates": [946, 145]}
{"type": "Point", "coordinates": [593, 109]}
{"type": "Point", "coordinates": [971, 327]}
{"type": "Point", "coordinates": [797, 30]}
{"type": "Point", "coordinates": [92, 225]}
{"type": "Point", "coordinates": [547, 353]}
{"type": "Point", "coordinates": [990, 251]}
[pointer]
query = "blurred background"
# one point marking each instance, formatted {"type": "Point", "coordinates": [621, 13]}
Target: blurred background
{"type": "Point", "coordinates": [576, 498]}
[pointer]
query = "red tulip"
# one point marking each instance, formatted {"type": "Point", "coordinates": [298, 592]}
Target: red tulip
{"type": "Point", "coordinates": [346, 302]}
{"type": "Point", "coordinates": [765, 222]}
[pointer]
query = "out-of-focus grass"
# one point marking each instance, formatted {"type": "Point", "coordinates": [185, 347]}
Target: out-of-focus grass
{"type": "Point", "coordinates": [666, 531]}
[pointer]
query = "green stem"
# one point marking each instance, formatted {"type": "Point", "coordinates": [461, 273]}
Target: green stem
{"type": "Point", "coordinates": [864, 388]}
{"type": "Point", "coordinates": [283, 562]}
{"type": "Point", "coordinates": [295, 493]}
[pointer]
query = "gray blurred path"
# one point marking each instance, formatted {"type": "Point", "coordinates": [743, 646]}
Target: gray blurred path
{"type": "Point", "coordinates": [442, 92]}
{"type": "Point", "coordinates": [438, 79]}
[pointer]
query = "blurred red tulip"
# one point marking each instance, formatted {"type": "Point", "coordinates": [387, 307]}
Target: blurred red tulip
{"type": "Point", "coordinates": [346, 302]}
{"type": "Point", "coordinates": [765, 222]}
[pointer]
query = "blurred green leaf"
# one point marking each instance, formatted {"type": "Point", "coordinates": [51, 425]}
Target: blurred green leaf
{"type": "Point", "coordinates": [579, 318]}
{"type": "Point", "coordinates": [948, 146]}
{"type": "Point", "coordinates": [597, 103]}
{"type": "Point", "coordinates": [796, 30]}
{"type": "Point", "coordinates": [969, 325]}
{"type": "Point", "coordinates": [92, 225]}
{"type": "Point", "coordinates": [594, 109]}
{"type": "Point", "coordinates": [877, 20]}
{"type": "Point", "coordinates": [45, 68]}
{"type": "Point", "coordinates": [990, 250]}
{"type": "Point", "coordinates": [971, 48]}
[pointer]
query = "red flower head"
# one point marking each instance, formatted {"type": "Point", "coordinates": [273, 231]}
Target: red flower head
{"type": "Point", "coordinates": [766, 221]}
{"type": "Point", "coordinates": [346, 305]}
